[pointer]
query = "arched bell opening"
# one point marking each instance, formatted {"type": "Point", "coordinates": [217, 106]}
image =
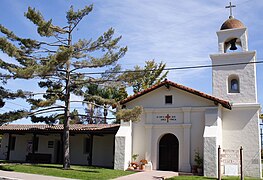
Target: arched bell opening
{"type": "Point", "coordinates": [233, 45]}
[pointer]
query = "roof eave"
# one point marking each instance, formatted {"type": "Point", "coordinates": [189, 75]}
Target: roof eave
{"type": "Point", "coordinates": [225, 104]}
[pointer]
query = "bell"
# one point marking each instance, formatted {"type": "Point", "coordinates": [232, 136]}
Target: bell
{"type": "Point", "coordinates": [233, 45]}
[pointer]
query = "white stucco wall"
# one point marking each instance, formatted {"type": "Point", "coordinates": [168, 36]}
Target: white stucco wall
{"type": "Point", "coordinates": [123, 146]}
{"type": "Point", "coordinates": [146, 136]}
{"type": "Point", "coordinates": [43, 145]}
{"type": "Point", "coordinates": [102, 148]}
{"type": "Point", "coordinates": [20, 151]}
{"type": "Point", "coordinates": [188, 127]}
{"type": "Point", "coordinates": [3, 148]}
{"type": "Point", "coordinates": [197, 130]}
{"type": "Point", "coordinates": [240, 128]}
{"type": "Point", "coordinates": [155, 99]}
{"type": "Point", "coordinates": [226, 35]}
{"type": "Point", "coordinates": [245, 72]}
{"type": "Point", "coordinates": [20, 148]}
{"type": "Point", "coordinates": [77, 154]}
{"type": "Point", "coordinates": [212, 140]}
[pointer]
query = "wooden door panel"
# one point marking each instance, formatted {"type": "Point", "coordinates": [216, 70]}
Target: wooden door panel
{"type": "Point", "coordinates": [168, 153]}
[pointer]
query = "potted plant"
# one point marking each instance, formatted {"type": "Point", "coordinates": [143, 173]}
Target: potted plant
{"type": "Point", "coordinates": [199, 162]}
{"type": "Point", "coordinates": [142, 163]}
{"type": "Point", "coordinates": [133, 163]}
{"type": "Point", "coordinates": [194, 169]}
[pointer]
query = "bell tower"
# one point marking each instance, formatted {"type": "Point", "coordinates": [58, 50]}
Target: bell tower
{"type": "Point", "coordinates": [234, 70]}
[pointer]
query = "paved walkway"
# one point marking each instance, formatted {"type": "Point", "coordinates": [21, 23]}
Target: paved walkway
{"type": "Point", "coordinates": [149, 175]}
{"type": "Point", "coordinates": [11, 175]}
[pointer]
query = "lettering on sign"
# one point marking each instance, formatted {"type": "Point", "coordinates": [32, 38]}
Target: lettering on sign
{"type": "Point", "coordinates": [166, 118]}
{"type": "Point", "coordinates": [230, 157]}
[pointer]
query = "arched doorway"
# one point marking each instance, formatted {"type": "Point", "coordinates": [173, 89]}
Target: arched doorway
{"type": "Point", "coordinates": [169, 153]}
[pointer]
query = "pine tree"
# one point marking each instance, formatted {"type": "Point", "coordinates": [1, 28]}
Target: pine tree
{"type": "Point", "coordinates": [58, 62]}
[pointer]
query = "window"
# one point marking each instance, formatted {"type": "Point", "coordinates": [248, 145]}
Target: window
{"type": "Point", "coordinates": [169, 99]}
{"type": "Point", "coordinates": [233, 84]}
{"type": "Point", "coordinates": [87, 145]}
{"type": "Point", "coordinates": [12, 143]}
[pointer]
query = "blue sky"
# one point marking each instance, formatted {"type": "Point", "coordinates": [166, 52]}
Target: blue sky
{"type": "Point", "coordinates": [179, 33]}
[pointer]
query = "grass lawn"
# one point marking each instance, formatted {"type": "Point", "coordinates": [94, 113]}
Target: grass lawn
{"type": "Point", "coordinates": [86, 172]}
{"type": "Point", "coordinates": [76, 172]}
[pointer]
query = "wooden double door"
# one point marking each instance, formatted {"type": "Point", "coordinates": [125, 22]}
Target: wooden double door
{"type": "Point", "coordinates": [168, 153]}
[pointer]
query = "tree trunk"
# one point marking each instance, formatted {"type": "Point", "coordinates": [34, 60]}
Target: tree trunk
{"type": "Point", "coordinates": [91, 113]}
{"type": "Point", "coordinates": [66, 161]}
{"type": "Point", "coordinates": [105, 113]}
{"type": "Point", "coordinates": [66, 158]}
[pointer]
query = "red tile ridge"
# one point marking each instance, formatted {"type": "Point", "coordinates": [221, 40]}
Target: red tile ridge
{"type": "Point", "coordinates": [72, 127]}
{"type": "Point", "coordinates": [224, 103]}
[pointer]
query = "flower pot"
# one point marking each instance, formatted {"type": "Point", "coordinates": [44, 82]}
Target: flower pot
{"type": "Point", "coordinates": [199, 171]}
{"type": "Point", "coordinates": [194, 169]}
{"type": "Point", "coordinates": [143, 167]}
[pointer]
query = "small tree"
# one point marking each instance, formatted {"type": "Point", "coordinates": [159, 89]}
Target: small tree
{"type": "Point", "coordinates": [198, 159]}
{"type": "Point", "coordinates": [104, 97]}
{"type": "Point", "coordinates": [143, 78]}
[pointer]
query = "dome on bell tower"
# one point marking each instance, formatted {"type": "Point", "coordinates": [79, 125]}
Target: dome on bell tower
{"type": "Point", "coordinates": [232, 23]}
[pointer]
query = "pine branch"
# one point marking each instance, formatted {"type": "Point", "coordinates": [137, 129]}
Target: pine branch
{"type": "Point", "coordinates": [98, 99]}
{"type": "Point", "coordinates": [95, 104]}
{"type": "Point", "coordinates": [7, 66]}
{"type": "Point", "coordinates": [75, 17]}
{"type": "Point", "coordinates": [47, 119]}
{"type": "Point", "coordinates": [45, 28]}
{"type": "Point", "coordinates": [129, 114]}
{"type": "Point", "coordinates": [12, 115]}
{"type": "Point", "coordinates": [54, 44]}
{"type": "Point", "coordinates": [27, 43]}
{"type": "Point", "coordinates": [37, 103]}
{"type": "Point", "coordinates": [61, 40]}
{"type": "Point", "coordinates": [107, 59]}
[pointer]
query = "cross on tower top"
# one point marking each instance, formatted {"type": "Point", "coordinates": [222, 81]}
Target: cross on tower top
{"type": "Point", "coordinates": [230, 8]}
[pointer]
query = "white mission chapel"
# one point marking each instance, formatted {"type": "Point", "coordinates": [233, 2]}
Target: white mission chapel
{"type": "Point", "coordinates": [177, 120]}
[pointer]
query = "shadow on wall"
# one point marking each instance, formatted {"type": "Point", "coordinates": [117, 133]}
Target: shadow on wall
{"type": "Point", "coordinates": [238, 119]}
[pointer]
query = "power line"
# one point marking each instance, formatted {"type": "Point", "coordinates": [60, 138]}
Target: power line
{"type": "Point", "coordinates": [175, 68]}
{"type": "Point", "coordinates": [165, 69]}
{"type": "Point", "coordinates": [16, 104]}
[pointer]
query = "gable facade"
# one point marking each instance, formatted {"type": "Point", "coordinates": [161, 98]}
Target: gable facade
{"type": "Point", "coordinates": [184, 118]}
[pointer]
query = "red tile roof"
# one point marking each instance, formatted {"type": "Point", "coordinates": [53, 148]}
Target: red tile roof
{"type": "Point", "coordinates": [75, 128]}
{"type": "Point", "coordinates": [216, 100]}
